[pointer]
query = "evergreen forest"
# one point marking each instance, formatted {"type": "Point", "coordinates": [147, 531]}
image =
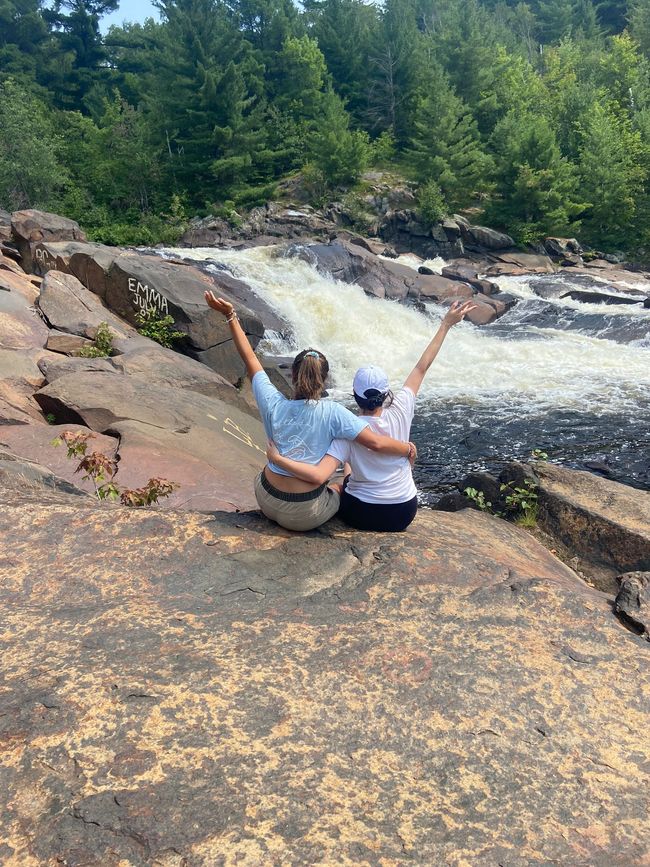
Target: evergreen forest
{"type": "Point", "coordinates": [536, 112]}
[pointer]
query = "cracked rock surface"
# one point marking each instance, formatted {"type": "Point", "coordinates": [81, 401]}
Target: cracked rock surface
{"type": "Point", "coordinates": [207, 689]}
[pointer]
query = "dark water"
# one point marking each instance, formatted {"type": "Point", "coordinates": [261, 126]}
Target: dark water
{"type": "Point", "coordinates": [454, 439]}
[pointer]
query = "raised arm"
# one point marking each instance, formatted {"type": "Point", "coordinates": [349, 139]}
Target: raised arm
{"type": "Point", "coordinates": [239, 338]}
{"type": "Point", "coordinates": [315, 474]}
{"type": "Point", "coordinates": [452, 317]}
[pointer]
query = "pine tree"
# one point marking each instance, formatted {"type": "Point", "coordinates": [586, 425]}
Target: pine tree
{"type": "Point", "coordinates": [83, 82]}
{"type": "Point", "coordinates": [396, 71]}
{"type": "Point", "coordinates": [555, 19]}
{"type": "Point", "coordinates": [344, 30]}
{"type": "Point", "coordinates": [445, 145]}
{"type": "Point", "coordinates": [537, 186]}
{"type": "Point", "coordinates": [337, 152]}
{"type": "Point", "coordinates": [611, 176]}
{"type": "Point", "coordinates": [205, 97]}
{"type": "Point", "coordinates": [639, 17]}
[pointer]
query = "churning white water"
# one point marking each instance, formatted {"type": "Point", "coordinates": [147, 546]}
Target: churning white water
{"type": "Point", "coordinates": [536, 369]}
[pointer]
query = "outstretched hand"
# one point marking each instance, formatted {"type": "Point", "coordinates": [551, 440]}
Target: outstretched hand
{"type": "Point", "coordinates": [219, 304]}
{"type": "Point", "coordinates": [457, 312]}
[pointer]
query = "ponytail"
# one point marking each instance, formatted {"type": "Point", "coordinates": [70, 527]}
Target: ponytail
{"type": "Point", "coordinates": [309, 372]}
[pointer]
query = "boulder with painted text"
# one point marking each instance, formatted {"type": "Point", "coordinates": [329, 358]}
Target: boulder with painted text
{"type": "Point", "coordinates": [29, 227]}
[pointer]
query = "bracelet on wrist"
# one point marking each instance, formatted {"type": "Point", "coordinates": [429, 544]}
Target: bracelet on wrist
{"type": "Point", "coordinates": [232, 316]}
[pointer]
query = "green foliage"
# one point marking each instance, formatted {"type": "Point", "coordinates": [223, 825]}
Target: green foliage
{"type": "Point", "coordinates": [341, 154]}
{"type": "Point", "coordinates": [99, 469]}
{"type": "Point", "coordinates": [356, 209]}
{"type": "Point", "coordinates": [102, 346]}
{"type": "Point", "coordinates": [384, 149]}
{"type": "Point", "coordinates": [31, 173]}
{"type": "Point", "coordinates": [478, 497]}
{"type": "Point", "coordinates": [522, 503]}
{"type": "Point", "coordinates": [445, 145]}
{"type": "Point", "coordinates": [539, 455]}
{"type": "Point", "coordinates": [431, 204]}
{"type": "Point", "coordinates": [541, 109]}
{"type": "Point", "coordinates": [158, 328]}
{"type": "Point", "coordinates": [538, 187]}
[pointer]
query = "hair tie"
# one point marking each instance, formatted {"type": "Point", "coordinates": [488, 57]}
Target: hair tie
{"type": "Point", "coordinates": [312, 354]}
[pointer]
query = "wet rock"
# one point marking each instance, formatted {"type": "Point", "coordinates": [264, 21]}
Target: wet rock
{"type": "Point", "coordinates": [455, 501]}
{"type": "Point", "coordinates": [571, 260]}
{"type": "Point", "coordinates": [147, 722]}
{"type": "Point", "coordinates": [633, 600]}
{"type": "Point", "coordinates": [468, 274]}
{"type": "Point", "coordinates": [390, 253]}
{"type": "Point", "coordinates": [30, 226]}
{"type": "Point", "coordinates": [592, 297]}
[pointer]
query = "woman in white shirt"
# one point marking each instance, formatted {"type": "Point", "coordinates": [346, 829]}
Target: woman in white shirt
{"type": "Point", "coordinates": [379, 493]}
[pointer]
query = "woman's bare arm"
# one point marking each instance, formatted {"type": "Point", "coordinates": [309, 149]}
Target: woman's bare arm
{"type": "Point", "coordinates": [239, 338]}
{"type": "Point", "coordinates": [452, 317]}
{"type": "Point", "coordinates": [315, 474]}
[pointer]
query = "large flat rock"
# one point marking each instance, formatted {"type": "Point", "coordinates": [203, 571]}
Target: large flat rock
{"type": "Point", "coordinates": [211, 448]}
{"type": "Point", "coordinates": [194, 689]}
{"type": "Point", "coordinates": [604, 521]}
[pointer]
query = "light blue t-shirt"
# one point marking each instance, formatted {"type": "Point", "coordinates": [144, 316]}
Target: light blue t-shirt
{"type": "Point", "coordinates": [302, 429]}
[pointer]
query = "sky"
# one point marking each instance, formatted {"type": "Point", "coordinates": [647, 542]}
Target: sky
{"type": "Point", "coordinates": [130, 10]}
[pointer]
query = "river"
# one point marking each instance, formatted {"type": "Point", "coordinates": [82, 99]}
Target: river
{"type": "Point", "coordinates": [556, 374]}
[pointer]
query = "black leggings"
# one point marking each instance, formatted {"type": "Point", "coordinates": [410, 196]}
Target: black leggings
{"type": "Point", "coordinates": [380, 517]}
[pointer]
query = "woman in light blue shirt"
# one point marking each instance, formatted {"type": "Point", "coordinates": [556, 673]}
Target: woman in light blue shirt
{"type": "Point", "coordinates": [303, 429]}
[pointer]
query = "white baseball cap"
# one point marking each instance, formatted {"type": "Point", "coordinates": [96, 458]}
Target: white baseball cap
{"type": "Point", "coordinates": [369, 378]}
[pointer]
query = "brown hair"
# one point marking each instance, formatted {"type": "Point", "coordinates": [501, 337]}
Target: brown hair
{"type": "Point", "coordinates": [309, 372]}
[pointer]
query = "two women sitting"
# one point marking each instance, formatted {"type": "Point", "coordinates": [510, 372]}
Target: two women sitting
{"type": "Point", "coordinates": [311, 437]}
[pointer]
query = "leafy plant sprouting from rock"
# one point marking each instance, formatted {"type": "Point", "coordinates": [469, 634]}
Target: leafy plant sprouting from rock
{"type": "Point", "coordinates": [478, 497]}
{"type": "Point", "coordinates": [100, 470]}
{"type": "Point", "coordinates": [102, 346]}
{"type": "Point", "coordinates": [522, 502]}
{"type": "Point", "coordinates": [158, 328]}
{"type": "Point", "coordinates": [539, 455]}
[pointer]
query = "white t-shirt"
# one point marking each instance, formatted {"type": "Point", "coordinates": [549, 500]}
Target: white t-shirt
{"type": "Point", "coordinates": [381, 478]}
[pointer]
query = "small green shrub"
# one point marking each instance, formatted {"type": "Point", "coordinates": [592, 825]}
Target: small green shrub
{"type": "Point", "coordinates": [384, 149]}
{"type": "Point", "coordinates": [361, 218]}
{"type": "Point", "coordinates": [102, 346]}
{"type": "Point", "coordinates": [478, 497]}
{"type": "Point", "coordinates": [158, 328]}
{"type": "Point", "coordinates": [100, 469]}
{"type": "Point", "coordinates": [315, 184]}
{"type": "Point", "coordinates": [431, 204]}
{"type": "Point", "coordinates": [522, 503]}
{"type": "Point", "coordinates": [228, 212]}
{"type": "Point", "coordinates": [539, 455]}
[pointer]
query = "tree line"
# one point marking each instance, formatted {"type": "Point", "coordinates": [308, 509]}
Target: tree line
{"type": "Point", "coordinates": [537, 112]}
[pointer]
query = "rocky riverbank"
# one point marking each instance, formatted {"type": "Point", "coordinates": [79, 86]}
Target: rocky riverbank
{"type": "Point", "coordinates": [198, 687]}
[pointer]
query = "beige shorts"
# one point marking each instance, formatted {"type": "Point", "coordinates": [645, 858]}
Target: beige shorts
{"type": "Point", "coordinates": [296, 511]}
